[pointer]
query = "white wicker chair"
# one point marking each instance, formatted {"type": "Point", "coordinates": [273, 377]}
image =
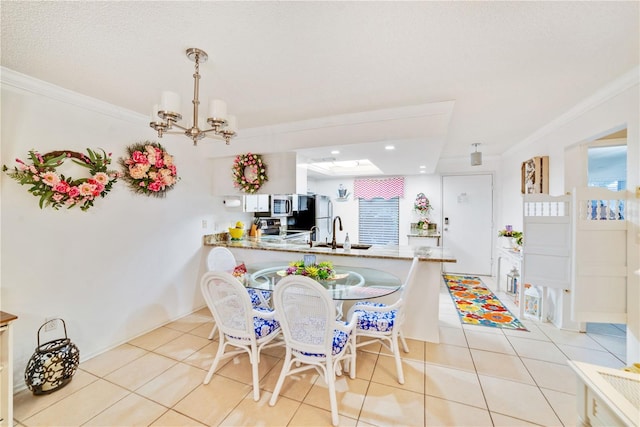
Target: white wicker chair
{"type": "Point", "coordinates": [313, 336]}
{"type": "Point", "coordinates": [221, 259]}
{"type": "Point", "coordinates": [239, 324]}
{"type": "Point", "coordinates": [382, 323]}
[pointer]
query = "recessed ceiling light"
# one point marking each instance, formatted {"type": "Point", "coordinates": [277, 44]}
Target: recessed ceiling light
{"type": "Point", "coordinates": [423, 167]}
{"type": "Point", "coordinates": [389, 147]}
{"type": "Point", "coordinates": [423, 171]}
{"type": "Point", "coordinates": [335, 152]}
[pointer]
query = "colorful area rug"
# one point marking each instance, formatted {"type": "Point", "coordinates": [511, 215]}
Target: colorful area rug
{"type": "Point", "coordinates": [477, 305]}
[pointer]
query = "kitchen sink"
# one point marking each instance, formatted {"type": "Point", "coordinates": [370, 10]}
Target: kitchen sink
{"type": "Point", "coordinates": [341, 246]}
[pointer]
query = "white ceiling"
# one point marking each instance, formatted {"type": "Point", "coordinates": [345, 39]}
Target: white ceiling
{"type": "Point", "coordinates": [500, 70]}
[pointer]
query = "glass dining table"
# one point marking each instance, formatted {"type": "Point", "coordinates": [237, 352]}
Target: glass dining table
{"type": "Point", "coordinates": [348, 283]}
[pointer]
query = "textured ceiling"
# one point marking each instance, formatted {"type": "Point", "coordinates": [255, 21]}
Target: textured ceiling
{"type": "Point", "coordinates": [510, 67]}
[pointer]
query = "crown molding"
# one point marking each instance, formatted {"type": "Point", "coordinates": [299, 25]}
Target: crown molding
{"type": "Point", "coordinates": [13, 80]}
{"type": "Point", "coordinates": [611, 90]}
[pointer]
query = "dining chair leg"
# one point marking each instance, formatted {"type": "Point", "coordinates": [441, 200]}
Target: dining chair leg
{"type": "Point", "coordinates": [256, 376]}
{"type": "Point", "coordinates": [331, 382]}
{"type": "Point", "coordinates": [396, 355]}
{"type": "Point", "coordinates": [213, 331]}
{"type": "Point", "coordinates": [214, 365]}
{"type": "Point", "coordinates": [405, 348]}
{"type": "Point", "coordinates": [283, 374]}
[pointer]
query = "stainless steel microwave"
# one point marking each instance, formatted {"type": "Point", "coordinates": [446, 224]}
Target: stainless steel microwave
{"type": "Point", "coordinates": [281, 205]}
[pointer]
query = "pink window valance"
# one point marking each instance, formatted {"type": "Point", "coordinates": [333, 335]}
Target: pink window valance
{"type": "Point", "coordinates": [385, 188]}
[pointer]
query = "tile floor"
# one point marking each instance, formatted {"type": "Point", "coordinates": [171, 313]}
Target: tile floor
{"type": "Point", "coordinates": [476, 376]}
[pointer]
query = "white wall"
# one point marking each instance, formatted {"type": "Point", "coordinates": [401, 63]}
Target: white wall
{"type": "Point", "coordinates": [124, 267]}
{"type": "Point", "coordinates": [614, 107]}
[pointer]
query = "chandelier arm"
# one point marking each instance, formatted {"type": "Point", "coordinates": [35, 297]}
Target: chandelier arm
{"type": "Point", "coordinates": [196, 89]}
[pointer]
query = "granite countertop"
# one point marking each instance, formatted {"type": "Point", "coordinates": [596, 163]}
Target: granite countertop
{"type": "Point", "coordinates": [424, 233]}
{"type": "Point", "coordinates": [424, 253]}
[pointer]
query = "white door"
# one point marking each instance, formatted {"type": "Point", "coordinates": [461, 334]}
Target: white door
{"type": "Point", "coordinates": [467, 222]}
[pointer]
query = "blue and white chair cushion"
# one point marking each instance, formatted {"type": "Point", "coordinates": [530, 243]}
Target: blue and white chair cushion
{"type": "Point", "coordinates": [374, 320]}
{"type": "Point", "coordinates": [340, 339]}
{"type": "Point", "coordinates": [255, 298]}
{"type": "Point", "coordinates": [261, 326]}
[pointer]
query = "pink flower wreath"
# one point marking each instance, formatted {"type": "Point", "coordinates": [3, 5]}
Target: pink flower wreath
{"type": "Point", "coordinates": [249, 172]}
{"type": "Point", "coordinates": [149, 169]}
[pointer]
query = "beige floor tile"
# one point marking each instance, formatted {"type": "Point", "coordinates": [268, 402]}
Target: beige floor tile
{"type": "Point", "coordinates": [365, 364]}
{"type": "Point", "coordinates": [173, 384]}
{"type": "Point", "coordinates": [534, 349]}
{"type": "Point", "coordinates": [211, 403]}
{"type": "Point", "coordinates": [416, 350]}
{"type": "Point", "coordinates": [203, 358]}
{"type": "Point", "coordinates": [386, 373]}
{"type": "Point", "coordinates": [204, 330]}
{"type": "Point", "coordinates": [350, 395]}
{"type": "Point", "coordinates": [497, 343]}
{"type": "Point", "coordinates": [533, 333]}
{"type": "Point", "coordinates": [552, 376]}
{"type": "Point", "coordinates": [452, 336]}
{"type": "Point", "coordinates": [174, 419]}
{"type": "Point", "coordinates": [251, 413]}
{"type": "Point", "coordinates": [140, 371]}
{"type": "Point", "coordinates": [386, 406]}
{"type": "Point", "coordinates": [156, 338]}
{"type": "Point", "coordinates": [565, 406]}
{"type": "Point", "coordinates": [79, 407]}
{"type": "Point", "coordinates": [111, 360]}
{"type": "Point", "coordinates": [615, 345]}
{"type": "Point", "coordinates": [500, 420]}
{"type": "Point", "coordinates": [449, 355]}
{"type": "Point", "coordinates": [500, 365]}
{"type": "Point", "coordinates": [518, 400]}
{"type": "Point", "coordinates": [449, 321]}
{"type": "Point", "coordinates": [239, 368]}
{"type": "Point", "coordinates": [441, 412]}
{"type": "Point", "coordinates": [26, 404]}
{"type": "Point", "coordinates": [295, 387]}
{"type": "Point", "coordinates": [189, 322]}
{"type": "Point", "coordinates": [561, 336]}
{"type": "Point", "coordinates": [133, 410]}
{"type": "Point", "coordinates": [311, 416]}
{"type": "Point", "coordinates": [483, 329]}
{"type": "Point", "coordinates": [204, 311]}
{"type": "Point", "coordinates": [277, 350]}
{"type": "Point", "coordinates": [454, 384]}
{"type": "Point", "coordinates": [182, 347]}
{"type": "Point", "coordinates": [595, 357]}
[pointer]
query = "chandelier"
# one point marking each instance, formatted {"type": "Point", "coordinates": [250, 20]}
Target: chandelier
{"type": "Point", "coordinates": [221, 125]}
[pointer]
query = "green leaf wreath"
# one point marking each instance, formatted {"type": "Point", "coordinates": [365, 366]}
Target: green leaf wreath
{"type": "Point", "coordinates": [57, 190]}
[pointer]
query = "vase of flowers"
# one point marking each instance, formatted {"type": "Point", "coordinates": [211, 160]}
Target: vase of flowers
{"type": "Point", "coordinates": [513, 239]}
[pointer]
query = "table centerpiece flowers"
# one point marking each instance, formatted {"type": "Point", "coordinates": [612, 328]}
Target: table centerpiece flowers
{"type": "Point", "coordinates": [320, 271]}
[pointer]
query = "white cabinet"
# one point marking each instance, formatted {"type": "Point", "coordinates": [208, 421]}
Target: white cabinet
{"type": "Point", "coordinates": [6, 369]}
{"type": "Point", "coordinates": [256, 203]}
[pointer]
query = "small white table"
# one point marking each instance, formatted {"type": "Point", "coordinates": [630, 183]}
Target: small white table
{"type": "Point", "coordinates": [514, 257]}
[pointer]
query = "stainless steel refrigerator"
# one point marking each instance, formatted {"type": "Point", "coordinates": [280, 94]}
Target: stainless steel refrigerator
{"type": "Point", "coordinates": [323, 217]}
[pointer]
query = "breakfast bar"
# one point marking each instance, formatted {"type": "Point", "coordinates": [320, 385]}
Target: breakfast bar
{"type": "Point", "coordinates": [423, 301]}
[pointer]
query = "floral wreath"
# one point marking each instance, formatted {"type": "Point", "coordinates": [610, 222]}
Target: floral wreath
{"type": "Point", "coordinates": [422, 205]}
{"type": "Point", "coordinates": [149, 169]}
{"type": "Point", "coordinates": [249, 172]}
{"type": "Point", "coordinates": [58, 190]}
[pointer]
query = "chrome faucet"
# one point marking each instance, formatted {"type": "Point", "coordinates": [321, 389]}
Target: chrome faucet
{"type": "Point", "coordinates": [317, 231]}
{"type": "Point", "coordinates": [334, 244]}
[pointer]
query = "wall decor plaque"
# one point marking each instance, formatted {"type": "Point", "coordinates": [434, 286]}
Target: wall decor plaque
{"type": "Point", "coordinates": [535, 176]}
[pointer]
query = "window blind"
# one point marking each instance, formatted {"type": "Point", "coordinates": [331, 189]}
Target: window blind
{"type": "Point", "coordinates": [379, 221]}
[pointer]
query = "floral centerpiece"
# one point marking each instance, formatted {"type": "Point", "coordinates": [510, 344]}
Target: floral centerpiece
{"type": "Point", "coordinates": [320, 271]}
{"type": "Point", "coordinates": [516, 236]}
{"type": "Point", "coordinates": [149, 169]}
{"type": "Point", "coordinates": [57, 190]}
{"type": "Point", "coordinates": [422, 207]}
{"type": "Point", "coordinates": [249, 172]}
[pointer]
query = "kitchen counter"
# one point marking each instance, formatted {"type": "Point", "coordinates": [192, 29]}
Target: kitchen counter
{"type": "Point", "coordinates": [423, 301]}
{"type": "Point", "coordinates": [424, 253]}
